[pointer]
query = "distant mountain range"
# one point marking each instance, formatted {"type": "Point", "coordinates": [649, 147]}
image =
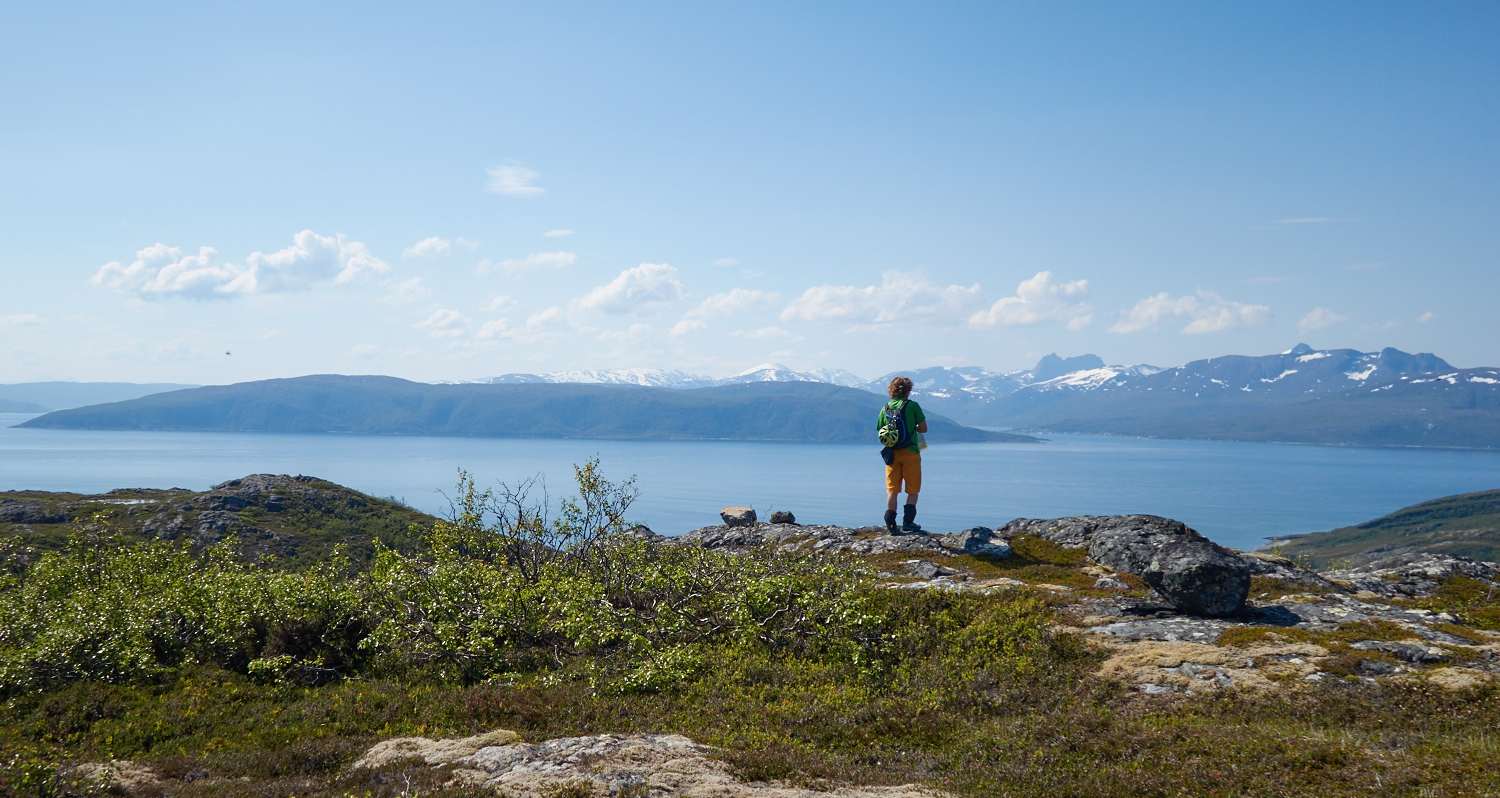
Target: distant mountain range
{"type": "Point", "coordinates": [671, 378]}
{"type": "Point", "coordinates": [1302, 395]}
{"type": "Point", "coordinates": [770, 411]}
{"type": "Point", "coordinates": [939, 381]}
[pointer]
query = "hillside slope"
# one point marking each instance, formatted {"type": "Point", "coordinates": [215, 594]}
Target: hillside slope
{"type": "Point", "coordinates": [788, 411]}
{"type": "Point", "coordinates": [294, 522]}
{"type": "Point", "coordinates": [1467, 525]}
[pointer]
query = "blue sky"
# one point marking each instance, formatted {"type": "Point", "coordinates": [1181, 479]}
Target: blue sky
{"type": "Point", "coordinates": [450, 191]}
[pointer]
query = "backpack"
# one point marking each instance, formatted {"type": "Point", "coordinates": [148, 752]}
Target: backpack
{"type": "Point", "coordinates": [893, 434]}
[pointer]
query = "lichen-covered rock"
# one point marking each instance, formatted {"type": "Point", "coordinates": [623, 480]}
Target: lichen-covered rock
{"type": "Point", "coordinates": [977, 540]}
{"type": "Point", "coordinates": [738, 516]}
{"type": "Point", "coordinates": [1199, 576]}
{"type": "Point", "coordinates": [1409, 652]}
{"type": "Point", "coordinates": [432, 752]}
{"type": "Point", "coordinates": [30, 512]}
{"type": "Point", "coordinates": [661, 765]}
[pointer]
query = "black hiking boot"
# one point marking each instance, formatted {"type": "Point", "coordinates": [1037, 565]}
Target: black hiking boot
{"type": "Point", "coordinates": [890, 522]}
{"type": "Point", "coordinates": [908, 519]}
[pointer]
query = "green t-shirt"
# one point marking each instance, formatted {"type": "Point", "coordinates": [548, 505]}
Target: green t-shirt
{"type": "Point", "coordinates": [913, 416]}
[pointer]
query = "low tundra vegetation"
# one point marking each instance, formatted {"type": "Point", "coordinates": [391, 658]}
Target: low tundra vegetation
{"type": "Point", "coordinates": [229, 679]}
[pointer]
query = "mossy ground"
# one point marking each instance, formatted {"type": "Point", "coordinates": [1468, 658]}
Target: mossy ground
{"type": "Point", "coordinates": [1066, 735]}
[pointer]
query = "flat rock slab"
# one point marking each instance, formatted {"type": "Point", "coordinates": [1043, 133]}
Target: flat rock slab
{"type": "Point", "coordinates": [1138, 622]}
{"type": "Point", "coordinates": [812, 538]}
{"type": "Point", "coordinates": [658, 765]}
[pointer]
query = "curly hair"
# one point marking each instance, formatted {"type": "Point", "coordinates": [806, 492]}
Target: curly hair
{"type": "Point", "coordinates": [900, 388]}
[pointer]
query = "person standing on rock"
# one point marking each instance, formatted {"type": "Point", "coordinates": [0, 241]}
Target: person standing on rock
{"type": "Point", "coordinates": [900, 422]}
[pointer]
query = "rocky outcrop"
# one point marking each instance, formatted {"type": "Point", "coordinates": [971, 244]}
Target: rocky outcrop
{"type": "Point", "coordinates": [1191, 572]}
{"type": "Point", "coordinates": [13, 511]}
{"type": "Point", "coordinates": [977, 540]}
{"type": "Point", "coordinates": [738, 516]}
{"type": "Point", "coordinates": [660, 765]}
{"type": "Point", "coordinates": [783, 517]}
{"type": "Point", "coordinates": [1420, 577]}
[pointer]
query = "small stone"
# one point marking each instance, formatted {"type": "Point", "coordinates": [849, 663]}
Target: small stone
{"type": "Point", "coordinates": [783, 517]}
{"type": "Point", "coordinates": [738, 516]}
{"type": "Point", "coordinates": [1375, 667]}
{"type": "Point", "coordinates": [1154, 689]}
{"type": "Point", "coordinates": [1110, 583]}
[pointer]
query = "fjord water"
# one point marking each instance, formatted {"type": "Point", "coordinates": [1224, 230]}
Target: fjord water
{"type": "Point", "coordinates": [1238, 494]}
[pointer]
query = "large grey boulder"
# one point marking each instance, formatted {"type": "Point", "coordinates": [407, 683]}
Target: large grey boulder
{"type": "Point", "coordinates": [783, 517]}
{"type": "Point", "coordinates": [738, 516]}
{"type": "Point", "coordinates": [1191, 572]}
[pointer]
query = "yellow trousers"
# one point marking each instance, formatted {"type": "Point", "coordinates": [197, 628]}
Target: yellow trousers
{"type": "Point", "coordinates": [906, 466]}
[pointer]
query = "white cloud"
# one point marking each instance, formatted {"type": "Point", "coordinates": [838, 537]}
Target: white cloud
{"type": "Point", "coordinates": [1040, 299]}
{"type": "Point", "coordinates": [428, 248]}
{"type": "Point", "coordinates": [1207, 312]}
{"type": "Point", "coordinates": [465, 243]}
{"type": "Point", "coordinates": [546, 318]}
{"type": "Point", "coordinates": [513, 181]}
{"type": "Point", "coordinates": [444, 323]}
{"type": "Point", "coordinates": [311, 258]}
{"type": "Point", "coordinates": [767, 333]}
{"type": "Point", "coordinates": [688, 327]}
{"type": "Point", "coordinates": [726, 261]}
{"type": "Point", "coordinates": [635, 333]}
{"type": "Point", "coordinates": [499, 303]}
{"type": "Point", "coordinates": [558, 233]}
{"type": "Point", "coordinates": [1318, 319]}
{"type": "Point", "coordinates": [639, 291]}
{"type": "Point", "coordinates": [899, 297]}
{"type": "Point", "coordinates": [731, 302]}
{"type": "Point", "coordinates": [29, 319]}
{"type": "Point", "coordinates": [541, 326]}
{"type": "Point", "coordinates": [364, 350]}
{"type": "Point", "coordinates": [1425, 317]}
{"type": "Point", "coordinates": [536, 260]}
{"type": "Point", "coordinates": [406, 292]}
{"type": "Point", "coordinates": [160, 270]}
{"type": "Point", "coordinates": [492, 329]}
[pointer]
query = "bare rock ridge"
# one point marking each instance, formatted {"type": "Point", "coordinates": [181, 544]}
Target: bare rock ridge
{"type": "Point", "coordinates": [292, 521]}
{"type": "Point", "coordinates": [1190, 572]}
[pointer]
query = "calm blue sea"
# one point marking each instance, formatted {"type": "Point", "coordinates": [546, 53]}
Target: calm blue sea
{"type": "Point", "coordinates": [1238, 494]}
